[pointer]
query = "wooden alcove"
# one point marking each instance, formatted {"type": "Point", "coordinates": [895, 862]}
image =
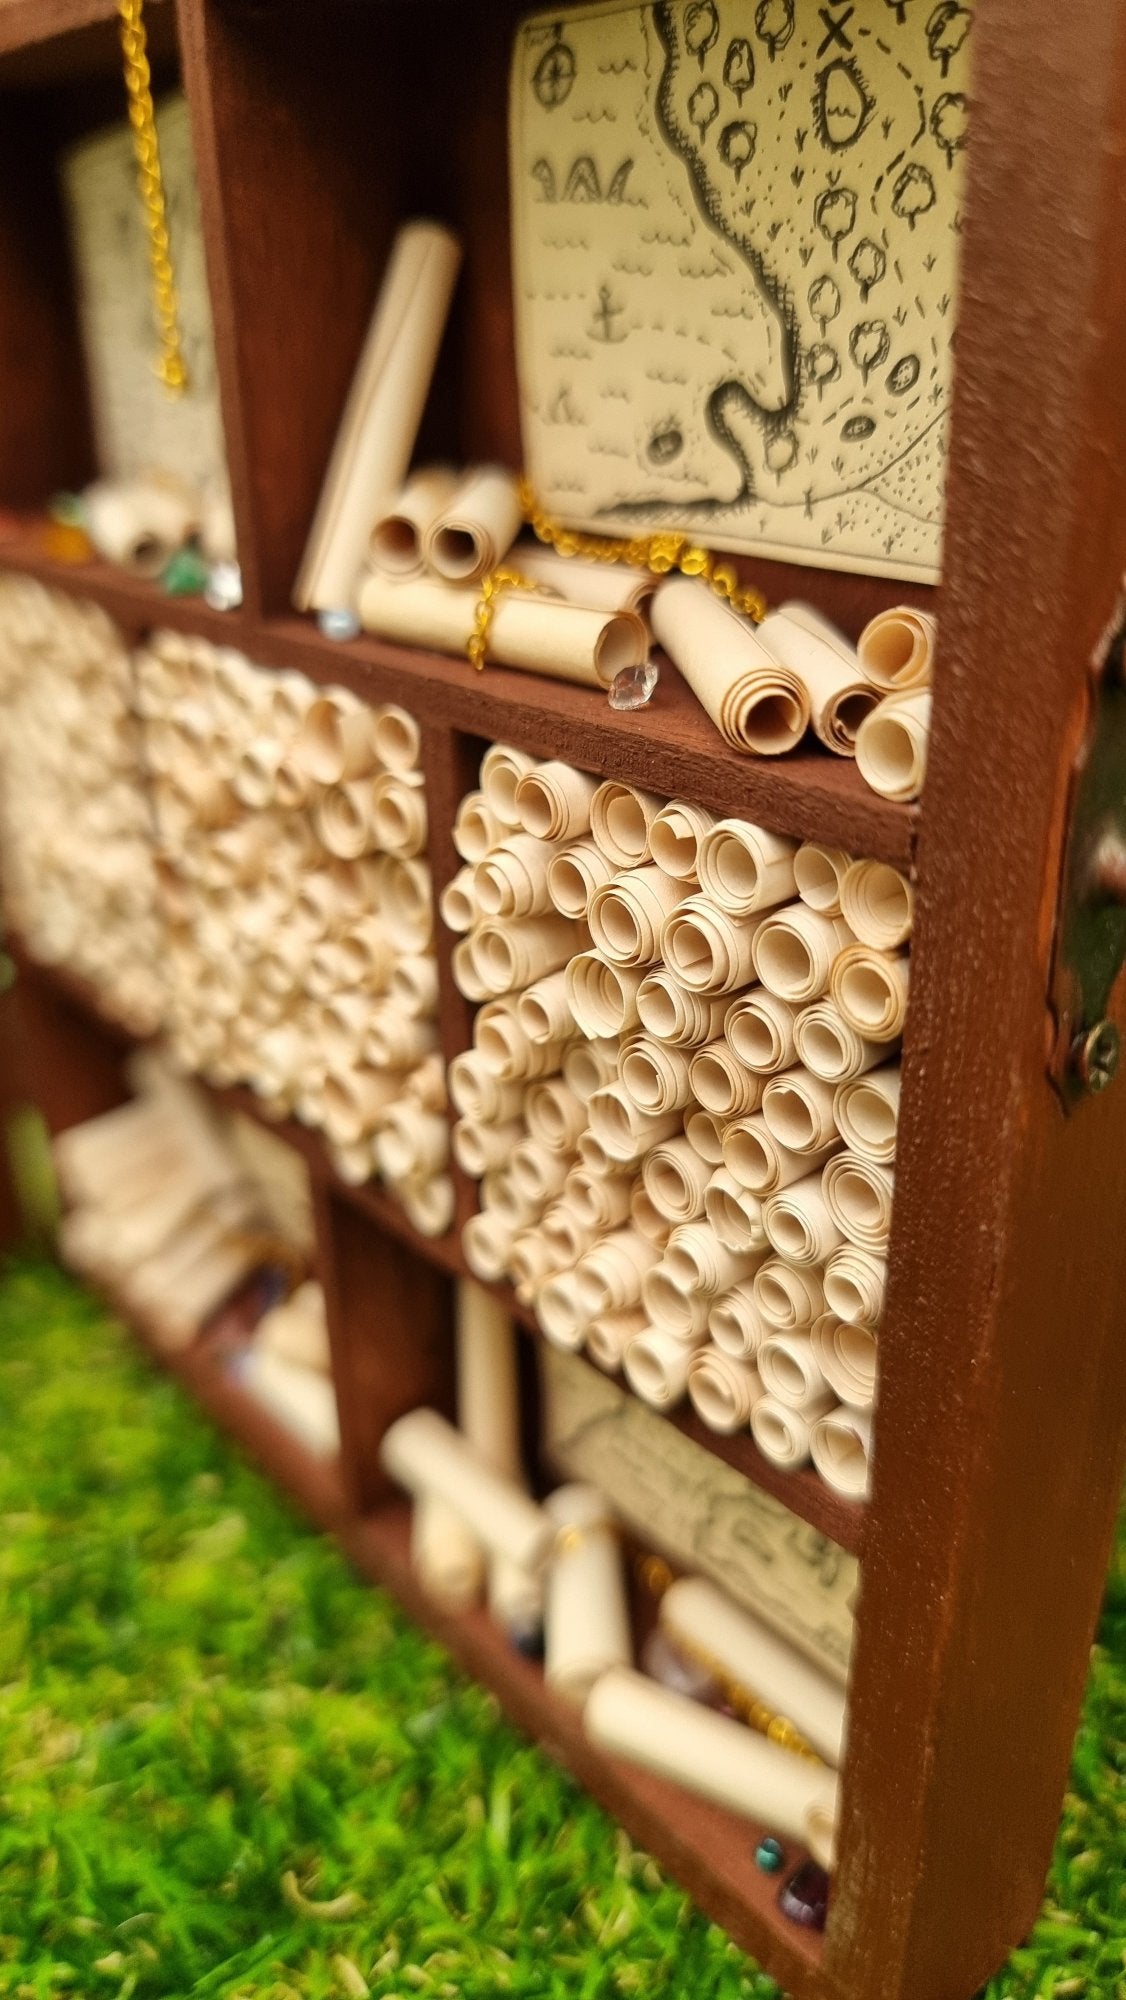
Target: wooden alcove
{"type": "Point", "coordinates": [1003, 1398]}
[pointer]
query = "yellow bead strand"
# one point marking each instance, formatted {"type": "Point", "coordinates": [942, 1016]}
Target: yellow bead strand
{"type": "Point", "coordinates": [170, 365]}
{"type": "Point", "coordinates": [659, 554]}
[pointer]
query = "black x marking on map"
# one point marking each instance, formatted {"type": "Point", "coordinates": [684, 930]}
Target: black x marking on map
{"type": "Point", "coordinates": [835, 36]}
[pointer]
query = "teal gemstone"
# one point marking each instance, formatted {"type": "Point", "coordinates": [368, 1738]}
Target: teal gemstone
{"type": "Point", "coordinates": [770, 1855]}
{"type": "Point", "coordinates": [185, 574]}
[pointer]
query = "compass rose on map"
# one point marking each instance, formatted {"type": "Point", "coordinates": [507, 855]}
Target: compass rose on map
{"type": "Point", "coordinates": [555, 72]}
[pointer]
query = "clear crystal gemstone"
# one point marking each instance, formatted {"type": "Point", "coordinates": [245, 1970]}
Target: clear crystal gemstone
{"type": "Point", "coordinates": [338, 624]}
{"type": "Point", "coordinates": [223, 590]}
{"type": "Point", "coordinates": [633, 687]}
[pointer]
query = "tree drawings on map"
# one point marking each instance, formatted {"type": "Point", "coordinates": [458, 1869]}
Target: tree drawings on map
{"type": "Point", "coordinates": [736, 228]}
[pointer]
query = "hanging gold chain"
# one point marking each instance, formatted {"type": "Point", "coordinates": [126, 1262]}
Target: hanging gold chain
{"type": "Point", "coordinates": [170, 366]}
{"type": "Point", "coordinates": [493, 586]}
{"type": "Point", "coordinates": [657, 553]}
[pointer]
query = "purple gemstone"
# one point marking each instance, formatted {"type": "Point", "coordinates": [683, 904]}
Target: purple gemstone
{"type": "Point", "coordinates": [804, 1898]}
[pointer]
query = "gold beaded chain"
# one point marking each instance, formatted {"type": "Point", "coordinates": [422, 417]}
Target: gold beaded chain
{"type": "Point", "coordinates": [170, 365]}
{"type": "Point", "coordinates": [659, 553]}
{"type": "Point", "coordinates": [493, 586]}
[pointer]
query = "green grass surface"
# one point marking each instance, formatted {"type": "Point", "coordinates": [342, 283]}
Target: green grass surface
{"type": "Point", "coordinates": [208, 1727]}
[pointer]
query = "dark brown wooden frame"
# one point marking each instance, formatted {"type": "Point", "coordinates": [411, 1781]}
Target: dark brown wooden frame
{"type": "Point", "coordinates": [1003, 1365]}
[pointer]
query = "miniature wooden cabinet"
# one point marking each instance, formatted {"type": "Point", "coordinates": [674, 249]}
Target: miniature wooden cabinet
{"type": "Point", "coordinates": [1003, 1386]}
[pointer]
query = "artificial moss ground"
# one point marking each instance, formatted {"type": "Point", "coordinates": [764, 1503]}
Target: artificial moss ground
{"type": "Point", "coordinates": [207, 1725]}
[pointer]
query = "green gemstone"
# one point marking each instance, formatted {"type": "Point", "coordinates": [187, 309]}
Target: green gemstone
{"type": "Point", "coordinates": [185, 574]}
{"type": "Point", "coordinates": [770, 1856]}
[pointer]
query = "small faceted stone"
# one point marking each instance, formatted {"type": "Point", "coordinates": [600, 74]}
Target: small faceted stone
{"type": "Point", "coordinates": [633, 687]}
{"type": "Point", "coordinates": [338, 624]}
{"type": "Point", "coordinates": [770, 1855]}
{"type": "Point", "coordinates": [666, 1664]}
{"type": "Point", "coordinates": [223, 591]}
{"type": "Point", "coordinates": [185, 574]}
{"type": "Point", "coordinates": [804, 1898]}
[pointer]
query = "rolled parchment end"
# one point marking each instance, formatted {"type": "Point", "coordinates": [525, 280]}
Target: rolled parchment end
{"type": "Point", "coordinates": [610, 1275]}
{"type": "Point", "coordinates": [628, 913]}
{"type": "Point", "coordinates": [855, 1282]}
{"type": "Point", "coordinates": [656, 1367]}
{"type": "Point", "coordinates": [758, 1161]}
{"type": "Point", "coordinates": [859, 1193]}
{"type": "Point", "coordinates": [710, 1628]}
{"type": "Point", "coordinates": [735, 1323]}
{"type": "Point", "coordinates": [708, 951]}
{"type": "Point", "coordinates": [867, 1113]}
{"type": "Point", "coordinates": [673, 1311]}
{"type": "Point", "coordinates": [336, 740]}
{"type": "Point", "coordinates": [511, 880]}
{"type": "Point", "coordinates": [487, 1389]}
{"type": "Point", "coordinates": [744, 869]}
{"type": "Point", "coordinates": [819, 874]}
{"type": "Point", "coordinates": [798, 1110]}
{"type": "Point", "coordinates": [656, 1077]}
{"type": "Point", "coordinates": [870, 988]}
{"type": "Point", "coordinates": [533, 634]}
{"type": "Point", "coordinates": [600, 586]}
{"type": "Point", "coordinates": [734, 1213]}
{"type": "Point", "coordinates": [756, 704]}
{"type": "Point", "coordinates": [722, 1390]}
{"type": "Point", "coordinates": [800, 1224]}
{"type": "Point", "coordinates": [574, 875]}
{"type": "Point", "coordinates": [794, 950]}
{"type": "Point", "coordinates": [760, 1028]}
{"type": "Point", "coordinates": [840, 692]}
{"type": "Point", "coordinates": [397, 737]}
{"type": "Point", "coordinates": [675, 1016]}
{"type": "Point", "coordinates": [715, 1757]}
{"type": "Point", "coordinates": [608, 1336]}
{"type": "Point", "coordinates": [840, 1446]}
{"type": "Point", "coordinates": [444, 1555]}
{"type": "Point", "coordinates": [878, 903]}
{"type": "Point", "coordinates": [696, 1260]}
{"type": "Point", "coordinates": [789, 1298]}
{"type": "Point", "coordinates": [562, 1315]}
{"type": "Point", "coordinates": [457, 904]}
{"type": "Point", "coordinates": [427, 1455]}
{"type": "Point", "coordinates": [782, 1434]}
{"type": "Point", "coordinates": [553, 801]}
{"type": "Point", "coordinates": [502, 768]}
{"type": "Point", "coordinates": [896, 648]}
{"type": "Point", "coordinates": [471, 534]}
{"type": "Point", "coordinates": [477, 828]}
{"type": "Point", "coordinates": [624, 1132]}
{"type": "Point", "coordinates": [586, 1625]}
{"type": "Point", "coordinates": [790, 1371]}
{"type": "Point", "coordinates": [848, 1359]}
{"type": "Point", "coordinates": [830, 1048]}
{"type": "Point", "coordinates": [602, 998]}
{"type": "Point", "coordinates": [396, 541]}
{"type": "Point", "coordinates": [676, 1179]}
{"type": "Point", "coordinates": [620, 819]}
{"type": "Point", "coordinates": [675, 836]}
{"type": "Point", "coordinates": [891, 748]}
{"type": "Point", "coordinates": [704, 1132]}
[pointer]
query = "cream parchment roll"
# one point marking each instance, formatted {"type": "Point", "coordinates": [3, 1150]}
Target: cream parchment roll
{"type": "Point", "coordinates": [512, 879]}
{"type": "Point", "coordinates": [476, 528]}
{"type": "Point", "coordinates": [681, 1315]}
{"type": "Point", "coordinates": [896, 648]}
{"type": "Point", "coordinates": [627, 914]}
{"type": "Point", "coordinates": [398, 738]}
{"type": "Point", "coordinates": [427, 1455]}
{"type": "Point", "coordinates": [848, 1358]}
{"type": "Point", "coordinates": [744, 868]}
{"type": "Point", "coordinates": [798, 1110]}
{"type": "Point", "coordinates": [830, 1047]}
{"type": "Point", "coordinates": [755, 703]}
{"type": "Point", "coordinates": [697, 1261]}
{"type": "Point", "coordinates": [758, 1161]}
{"type": "Point", "coordinates": [891, 746]}
{"type": "Point", "coordinates": [800, 1224]}
{"type": "Point", "coordinates": [620, 819]}
{"type": "Point", "coordinates": [444, 1554]}
{"type": "Point", "coordinates": [335, 741]}
{"type": "Point", "coordinates": [624, 1132]}
{"type": "Point", "coordinates": [671, 1014]}
{"type": "Point", "coordinates": [675, 836]}
{"type": "Point", "coordinates": [788, 1297]}
{"type": "Point", "coordinates": [878, 903]}
{"type": "Point", "coordinates": [867, 1113]}
{"type": "Point", "coordinates": [574, 875]}
{"type": "Point", "coordinates": [535, 634]}
{"type": "Point", "coordinates": [396, 540]}
{"type": "Point", "coordinates": [382, 414]}
{"type": "Point", "coordinates": [819, 874]}
{"type": "Point", "coordinates": [870, 988]}
{"type": "Point", "coordinates": [760, 1028]}
{"type": "Point", "coordinates": [722, 1390]}
{"type": "Point", "coordinates": [794, 951]}
{"type": "Point", "coordinates": [502, 768]}
{"type": "Point", "coordinates": [723, 1084]}
{"type": "Point", "coordinates": [553, 801]}
{"type": "Point", "coordinates": [656, 1366]}
{"type": "Point", "coordinates": [477, 828]}
{"type": "Point", "coordinates": [708, 1626]}
{"type": "Point", "coordinates": [855, 1282]}
{"type": "Point", "coordinates": [602, 997]}
{"type": "Point", "coordinates": [860, 1193]}
{"type": "Point", "coordinates": [610, 1275]}
{"type": "Point", "coordinates": [790, 1371]}
{"type": "Point", "coordinates": [840, 1446]}
{"type": "Point", "coordinates": [601, 586]}
{"type": "Point", "coordinates": [676, 1179]}
{"type": "Point", "coordinates": [707, 950]}
{"type": "Point", "coordinates": [735, 1214]}
{"type": "Point", "coordinates": [782, 1434]}
{"type": "Point", "coordinates": [608, 1336]}
{"type": "Point", "coordinates": [735, 1323]}
{"type": "Point", "coordinates": [657, 1078]}
{"type": "Point", "coordinates": [716, 1757]}
{"type": "Point", "coordinates": [840, 692]}
{"type": "Point", "coordinates": [586, 1626]}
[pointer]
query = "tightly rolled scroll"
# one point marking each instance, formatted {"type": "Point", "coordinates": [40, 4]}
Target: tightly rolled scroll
{"type": "Point", "coordinates": [627, 914]}
{"type": "Point", "coordinates": [620, 819]}
{"type": "Point", "coordinates": [396, 540]}
{"type": "Point", "coordinates": [610, 1275]}
{"type": "Point", "coordinates": [603, 1200]}
{"type": "Point", "coordinates": [800, 1224]}
{"type": "Point", "coordinates": [697, 1261]}
{"type": "Point", "coordinates": [476, 528]}
{"type": "Point", "coordinates": [891, 748]}
{"type": "Point", "coordinates": [427, 1455]}
{"type": "Point", "coordinates": [512, 879]}
{"type": "Point", "coordinates": [781, 1434]}
{"type": "Point", "coordinates": [708, 951]}
{"type": "Point", "coordinates": [574, 875]}
{"type": "Point", "coordinates": [722, 1083]}
{"type": "Point", "coordinates": [830, 1048]}
{"type": "Point", "coordinates": [790, 1371]}
{"type": "Point", "coordinates": [444, 1555]}
{"type": "Point", "coordinates": [758, 1161]}
{"type": "Point", "coordinates": [795, 950]}
{"type": "Point", "coordinates": [760, 1029]}
{"type": "Point", "coordinates": [847, 1357]}
{"type": "Point", "coordinates": [477, 828]}
{"type": "Point", "coordinates": [487, 1242]}
{"type": "Point", "coordinates": [716, 1757]}
{"type": "Point", "coordinates": [755, 703]}
{"type": "Point", "coordinates": [536, 1171]}
{"type": "Point", "coordinates": [555, 1116]}
{"type": "Point", "coordinates": [745, 869]}
{"type": "Point", "coordinates": [682, 1315]}
{"type": "Point", "coordinates": [867, 1113]}
{"type": "Point", "coordinates": [828, 667]}
{"type": "Point", "coordinates": [735, 1214]}
{"type": "Point", "coordinates": [798, 1110]}
{"type": "Point", "coordinates": [878, 903]}
{"type": "Point", "coordinates": [397, 737]}
{"type": "Point", "coordinates": [511, 955]}
{"type": "Point", "coordinates": [704, 1131]}
{"type": "Point", "coordinates": [505, 1049]}
{"type": "Point", "coordinates": [722, 1390]}
{"type": "Point", "coordinates": [587, 1629]}
{"type": "Point", "coordinates": [656, 1364]}
{"type": "Point", "coordinates": [560, 1311]}
{"type": "Point", "coordinates": [648, 1222]}
{"type": "Point", "coordinates": [565, 1232]}
{"type": "Point", "coordinates": [672, 1015]}
{"type": "Point", "coordinates": [870, 988]}
{"type": "Point", "coordinates": [479, 1148]}
{"type": "Point", "coordinates": [625, 1132]}
{"type": "Point", "coordinates": [382, 414]}
{"type": "Point", "coordinates": [601, 586]}
{"type": "Point", "coordinates": [840, 1446]}
{"type": "Point", "coordinates": [788, 1297]}
{"type": "Point", "coordinates": [335, 741]}
{"type": "Point", "coordinates": [676, 1179]}
{"type": "Point", "coordinates": [532, 633]}
{"type": "Point", "coordinates": [398, 813]}
{"type": "Point", "coordinates": [819, 874]}
{"type": "Point", "coordinates": [735, 1323]}
{"type": "Point", "coordinates": [502, 768]}
{"type": "Point", "coordinates": [855, 1282]}
{"type": "Point", "coordinates": [553, 801]}
{"type": "Point", "coordinates": [859, 1193]}
{"type": "Point", "coordinates": [896, 648]}
{"type": "Point", "coordinates": [699, 1618]}
{"type": "Point", "coordinates": [675, 836]}
{"type": "Point", "coordinates": [477, 1093]}
{"type": "Point", "coordinates": [608, 1336]}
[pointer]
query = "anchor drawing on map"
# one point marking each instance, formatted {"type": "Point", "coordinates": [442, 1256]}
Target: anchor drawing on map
{"type": "Point", "coordinates": [602, 323]}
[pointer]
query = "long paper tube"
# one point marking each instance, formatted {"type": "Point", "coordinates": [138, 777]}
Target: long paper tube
{"type": "Point", "coordinates": [855, 1282]}
{"type": "Point", "coordinates": [426, 1454]}
{"type": "Point", "coordinates": [878, 903]}
{"type": "Point", "coordinates": [800, 1223]}
{"type": "Point", "coordinates": [755, 703]}
{"type": "Point", "coordinates": [620, 819]}
{"type": "Point", "coordinates": [680, 1315]}
{"type": "Point", "coordinates": [477, 828]}
{"type": "Point", "coordinates": [395, 542]}
{"type": "Point", "coordinates": [782, 1434]}
{"type": "Point", "coordinates": [700, 1618]}
{"type": "Point", "coordinates": [553, 801]}
{"type": "Point", "coordinates": [656, 1077]}
{"type": "Point", "coordinates": [735, 1323]}
{"type": "Point", "coordinates": [795, 950]}
{"type": "Point", "coordinates": [830, 1048]}
{"type": "Point", "coordinates": [790, 1371]}
{"type": "Point", "coordinates": [745, 869]}
{"type": "Point", "coordinates": [463, 970]}
{"type": "Point", "coordinates": [512, 879]}
{"type": "Point", "coordinates": [798, 1110]}
{"type": "Point", "coordinates": [676, 1179]}
{"type": "Point", "coordinates": [722, 1083]}
{"type": "Point", "coordinates": [760, 1029]}
{"type": "Point", "coordinates": [487, 1241]}
{"type": "Point", "coordinates": [624, 1132]}
{"type": "Point", "coordinates": [487, 1388]}
{"type": "Point", "coordinates": [707, 950]}
{"type": "Point", "coordinates": [704, 1132]}
{"type": "Point", "coordinates": [848, 1358]}
{"type": "Point", "coordinates": [859, 1192]}
{"type": "Point", "coordinates": [298, 1330]}
{"type": "Point", "coordinates": [716, 1757]}
{"type": "Point", "coordinates": [759, 1162]}
{"type": "Point", "coordinates": [574, 875]}
{"type": "Point", "coordinates": [444, 1555]}
{"type": "Point", "coordinates": [870, 988]}
{"type": "Point", "coordinates": [787, 1297]}
{"type": "Point", "coordinates": [535, 634]}
{"type": "Point", "coordinates": [867, 1113]}
{"type": "Point", "coordinates": [627, 915]}
{"type": "Point", "coordinates": [891, 748]}
{"type": "Point", "coordinates": [469, 536]}
{"type": "Point", "coordinates": [896, 648]}
{"type": "Point", "coordinates": [734, 1213]}
{"type": "Point", "coordinates": [819, 874]}
{"type": "Point", "coordinates": [673, 1015]}
{"type": "Point", "coordinates": [610, 1275]}
{"type": "Point", "coordinates": [697, 1261]}
{"type": "Point", "coordinates": [602, 998]}
{"type": "Point", "coordinates": [675, 836]}
{"type": "Point", "coordinates": [840, 1446]}
{"type": "Point", "coordinates": [602, 586]}
{"type": "Point", "coordinates": [655, 1365]}
{"type": "Point", "coordinates": [586, 1628]}
{"type": "Point", "coordinates": [477, 1093]}
{"type": "Point", "coordinates": [335, 741]}
{"type": "Point", "coordinates": [304, 1403]}
{"type": "Point", "coordinates": [397, 737]}
{"type": "Point", "coordinates": [555, 1116]}
{"type": "Point", "coordinates": [722, 1390]}
{"type": "Point", "coordinates": [502, 768]}
{"type": "Point", "coordinates": [511, 955]}
{"type": "Point", "coordinates": [608, 1336]}
{"type": "Point", "coordinates": [840, 693]}
{"type": "Point", "coordinates": [381, 417]}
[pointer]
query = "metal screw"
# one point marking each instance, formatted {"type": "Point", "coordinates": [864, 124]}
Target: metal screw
{"type": "Point", "coordinates": [1095, 1056]}
{"type": "Point", "coordinates": [1106, 869]}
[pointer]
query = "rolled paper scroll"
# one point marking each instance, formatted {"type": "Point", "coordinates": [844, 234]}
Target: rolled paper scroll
{"type": "Point", "coordinates": [788, 1297]}
{"type": "Point", "coordinates": [708, 951]}
{"type": "Point", "coordinates": [676, 1179]}
{"type": "Point", "coordinates": [531, 1262]}
{"type": "Point", "coordinates": [828, 667]}
{"type": "Point", "coordinates": [627, 915]}
{"type": "Point", "coordinates": [396, 540]}
{"type": "Point", "coordinates": [734, 1213]}
{"type": "Point", "coordinates": [536, 1171]}
{"type": "Point", "coordinates": [512, 955]}
{"type": "Point", "coordinates": [594, 1157]}
{"type": "Point", "coordinates": [697, 1261]}
{"type": "Point", "coordinates": [855, 1282]}
{"type": "Point", "coordinates": [655, 1365]}
{"type": "Point", "coordinates": [344, 820]}
{"type": "Point", "coordinates": [555, 1116]}
{"type": "Point", "coordinates": [444, 1555]}
{"type": "Point", "coordinates": [487, 1241]}
{"type": "Point", "coordinates": [878, 903]}
{"type": "Point", "coordinates": [625, 1132]}
{"type": "Point", "coordinates": [406, 904]}
{"type": "Point", "coordinates": [891, 748]}
{"type": "Point", "coordinates": [426, 1454]}
{"type": "Point", "coordinates": [620, 819]}
{"type": "Point", "coordinates": [398, 813]}
{"type": "Point", "coordinates": [588, 1065]}
{"type": "Point", "coordinates": [601, 1200]}
{"type": "Point", "coordinates": [710, 1627]}
{"type": "Point", "coordinates": [870, 988]}
{"type": "Point", "coordinates": [477, 527]}
{"type": "Point", "coordinates": [716, 1757]}
{"type": "Point", "coordinates": [586, 1627]}
{"type": "Point", "coordinates": [398, 1041]}
{"type": "Point", "coordinates": [412, 1144]}
{"type": "Point", "coordinates": [656, 1077]}
{"type": "Point", "coordinates": [610, 1275]}
{"type": "Point", "coordinates": [790, 1371]}
{"type": "Point", "coordinates": [602, 998]}
{"type": "Point", "coordinates": [840, 1446]}
{"type": "Point", "coordinates": [477, 828]}
{"type": "Point", "coordinates": [848, 1359]}
{"type": "Point", "coordinates": [675, 836]}
{"type": "Point", "coordinates": [704, 1132]}
{"type": "Point", "coordinates": [382, 414]}
{"type": "Point", "coordinates": [304, 1403]}
{"type": "Point", "coordinates": [479, 1148]}
{"type": "Point", "coordinates": [574, 875]}
{"type": "Point", "coordinates": [722, 1083]}
{"type": "Point", "coordinates": [601, 586]}
{"type": "Point", "coordinates": [673, 1311]}
{"type": "Point", "coordinates": [759, 1161]}
{"type": "Point", "coordinates": [139, 523]}
{"type": "Point", "coordinates": [336, 740]}
{"type": "Point", "coordinates": [413, 985]}
{"type": "Point", "coordinates": [511, 880]}
{"type": "Point", "coordinates": [463, 967]}
{"type": "Point", "coordinates": [798, 1110]}
{"type": "Point", "coordinates": [896, 648]}
{"type": "Point", "coordinates": [782, 1434]}
{"type": "Point", "coordinates": [830, 1048]}
{"type": "Point", "coordinates": [800, 1223]}
{"type": "Point", "coordinates": [255, 774]}
{"type": "Point", "coordinates": [608, 1336]}
{"type": "Point", "coordinates": [535, 634]}
{"type": "Point", "coordinates": [477, 1093]}
{"type": "Point", "coordinates": [859, 1193]}
{"type": "Point", "coordinates": [354, 1101]}
{"type": "Point", "coordinates": [488, 1402]}
{"type": "Point", "coordinates": [671, 1014]}
{"type": "Point", "coordinates": [397, 737]}
{"type": "Point", "coordinates": [867, 1113]}
{"type": "Point", "coordinates": [755, 703]}
{"type": "Point", "coordinates": [566, 1235]}
{"type": "Point", "coordinates": [502, 768]}
{"type": "Point", "coordinates": [745, 869]}
{"type": "Point", "coordinates": [795, 950]}
{"type": "Point", "coordinates": [646, 1219]}
{"type": "Point", "coordinates": [819, 874]}
{"type": "Point", "coordinates": [722, 1390]}
{"type": "Point", "coordinates": [553, 801]}
{"type": "Point", "coordinates": [457, 904]}
{"type": "Point", "coordinates": [298, 1329]}
{"type": "Point", "coordinates": [291, 695]}
{"type": "Point", "coordinates": [760, 1028]}
{"type": "Point", "coordinates": [735, 1323]}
